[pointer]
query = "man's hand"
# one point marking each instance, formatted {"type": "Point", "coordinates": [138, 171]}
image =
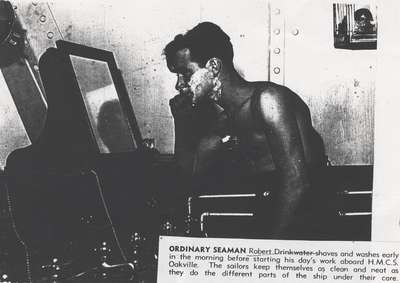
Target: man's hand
{"type": "Point", "coordinates": [181, 106]}
{"type": "Point", "coordinates": [193, 128]}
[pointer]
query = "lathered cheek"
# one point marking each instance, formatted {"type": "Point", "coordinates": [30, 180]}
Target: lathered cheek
{"type": "Point", "coordinates": [200, 84]}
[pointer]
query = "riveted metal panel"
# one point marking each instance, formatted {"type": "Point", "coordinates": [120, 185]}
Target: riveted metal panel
{"type": "Point", "coordinates": [38, 20]}
{"type": "Point", "coordinates": [338, 85]}
{"type": "Point", "coordinates": [277, 42]}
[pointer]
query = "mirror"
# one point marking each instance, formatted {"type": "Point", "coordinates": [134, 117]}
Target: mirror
{"type": "Point", "coordinates": [109, 124]}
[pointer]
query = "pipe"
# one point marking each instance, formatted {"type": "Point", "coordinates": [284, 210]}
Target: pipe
{"type": "Point", "coordinates": [344, 214]}
{"type": "Point", "coordinates": [264, 194]}
{"type": "Point", "coordinates": [346, 192]}
{"type": "Point", "coordinates": [220, 214]}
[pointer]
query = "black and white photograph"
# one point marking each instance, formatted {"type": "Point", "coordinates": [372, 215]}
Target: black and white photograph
{"type": "Point", "coordinates": [355, 26]}
{"type": "Point", "coordinates": [122, 121]}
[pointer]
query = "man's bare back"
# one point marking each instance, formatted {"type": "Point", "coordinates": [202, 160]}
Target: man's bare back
{"type": "Point", "coordinates": [248, 124]}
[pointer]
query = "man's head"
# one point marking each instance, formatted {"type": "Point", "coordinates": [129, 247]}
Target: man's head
{"type": "Point", "coordinates": [202, 50]}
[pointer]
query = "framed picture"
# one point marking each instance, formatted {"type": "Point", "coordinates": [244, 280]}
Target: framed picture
{"type": "Point", "coordinates": [355, 26]}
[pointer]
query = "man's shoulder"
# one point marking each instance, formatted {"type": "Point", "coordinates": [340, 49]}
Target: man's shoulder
{"type": "Point", "coordinates": [270, 90]}
{"type": "Point", "coordinates": [271, 100]}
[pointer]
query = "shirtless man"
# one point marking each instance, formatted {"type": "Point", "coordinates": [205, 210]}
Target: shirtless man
{"type": "Point", "coordinates": [269, 119]}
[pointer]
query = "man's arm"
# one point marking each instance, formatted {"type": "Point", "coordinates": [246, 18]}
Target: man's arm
{"type": "Point", "coordinates": [195, 133]}
{"type": "Point", "coordinates": [283, 136]}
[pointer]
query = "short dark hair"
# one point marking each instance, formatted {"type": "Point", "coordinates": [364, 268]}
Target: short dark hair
{"type": "Point", "coordinates": [205, 41]}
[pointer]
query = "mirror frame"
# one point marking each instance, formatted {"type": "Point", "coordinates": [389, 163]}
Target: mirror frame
{"type": "Point", "coordinates": [69, 48]}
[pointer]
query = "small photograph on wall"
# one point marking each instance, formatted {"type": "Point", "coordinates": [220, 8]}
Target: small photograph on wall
{"type": "Point", "coordinates": [355, 26]}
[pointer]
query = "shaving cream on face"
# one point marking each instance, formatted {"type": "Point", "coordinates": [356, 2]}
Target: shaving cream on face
{"type": "Point", "coordinates": [200, 84]}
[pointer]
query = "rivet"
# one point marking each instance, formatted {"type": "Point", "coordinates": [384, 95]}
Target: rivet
{"type": "Point", "coordinates": [43, 18]}
{"type": "Point", "coordinates": [36, 67]}
{"type": "Point", "coordinates": [277, 70]}
{"type": "Point", "coordinates": [277, 11]}
{"type": "Point", "coordinates": [277, 50]}
{"type": "Point", "coordinates": [295, 31]}
{"type": "Point", "coordinates": [277, 31]}
{"type": "Point", "coordinates": [50, 35]}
